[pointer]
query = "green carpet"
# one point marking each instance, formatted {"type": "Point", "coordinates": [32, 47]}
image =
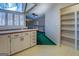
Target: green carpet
{"type": "Point", "coordinates": [43, 40]}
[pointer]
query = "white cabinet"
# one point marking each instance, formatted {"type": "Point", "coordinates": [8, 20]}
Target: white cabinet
{"type": "Point", "coordinates": [4, 45]}
{"type": "Point", "coordinates": [16, 43]}
{"type": "Point", "coordinates": [33, 38]}
{"type": "Point", "coordinates": [21, 41]}
{"type": "Point", "coordinates": [26, 40]}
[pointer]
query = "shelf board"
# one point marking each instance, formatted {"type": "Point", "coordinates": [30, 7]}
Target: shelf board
{"type": "Point", "coordinates": [71, 13]}
{"type": "Point", "coordinates": [67, 19]}
{"type": "Point", "coordinates": [67, 36]}
{"type": "Point", "coordinates": [68, 29]}
{"type": "Point", "coordinates": [68, 24]}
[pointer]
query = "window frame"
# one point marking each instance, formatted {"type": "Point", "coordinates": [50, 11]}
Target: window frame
{"type": "Point", "coordinates": [6, 18]}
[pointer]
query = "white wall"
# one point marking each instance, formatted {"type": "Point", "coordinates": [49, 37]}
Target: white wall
{"type": "Point", "coordinates": [42, 23]}
{"type": "Point", "coordinates": [52, 22]}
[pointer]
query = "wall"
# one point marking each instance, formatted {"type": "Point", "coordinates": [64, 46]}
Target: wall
{"type": "Point", "coordinates": [40, 23]}
{"type": "Point", "coordinates": [52, 22]}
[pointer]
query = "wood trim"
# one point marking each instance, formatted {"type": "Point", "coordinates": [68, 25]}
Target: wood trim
{"type": "Point", "coordinates": [69, 6]}
{"type": "Point", "coordinates": [18, 31]}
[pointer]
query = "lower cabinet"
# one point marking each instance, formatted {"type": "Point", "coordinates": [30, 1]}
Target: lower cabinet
{"type": "Point", "coordinates": [4, 45]}
{"type": "Point", "coordinates": [12, 43]}
{"type": "Point", "coordinates": [26, 40]}
{"type": "Point", "coordinates": [16, 43]}
{"type": "Point", "coordinates": [33, 38]}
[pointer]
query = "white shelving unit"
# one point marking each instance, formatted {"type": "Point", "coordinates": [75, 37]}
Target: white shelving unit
{"type": "Point", "coordinates": [71, 37]}
{"type": "Point", "coordinates": [70, 26]}
{"type": "Point", "coordinates": [67, 29]}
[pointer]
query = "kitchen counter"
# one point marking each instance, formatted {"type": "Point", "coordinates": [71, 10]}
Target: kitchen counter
{"type": "Point", "coordinates": [16, 31]}
{"type": "Point", "coordinates": [14, 41]}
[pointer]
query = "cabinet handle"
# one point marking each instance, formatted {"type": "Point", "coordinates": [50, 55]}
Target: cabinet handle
{"type": "Point", "coordinates": [34, 42]}
{"type": "Point", "coordinates": [9, 36]}
{"type": "Point", "coordinates": [22, 39]}
{"type": "Point", "coordinates": [26, 34]}
{"type": "Point", "coordinates": [16, 35]}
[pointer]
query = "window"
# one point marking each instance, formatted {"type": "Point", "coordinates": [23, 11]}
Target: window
{"type": "Point", "coordinates": [16, 19]}
{"type": "Point", "coordinates": [12, 6]}
{"type": "Point", "coordinates": [22, 20]}
{"type": "Point", "coordinates": [2, 19]}
{"type": "Point", "coordinates": [10, 19]}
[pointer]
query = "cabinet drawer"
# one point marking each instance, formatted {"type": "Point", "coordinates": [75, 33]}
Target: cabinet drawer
{"type": "Point", "coordinates": [27, 33]}
{"type": "Point", "coordinates": [15, 35]}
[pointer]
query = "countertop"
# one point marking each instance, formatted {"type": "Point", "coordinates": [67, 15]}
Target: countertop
{"type": "Point", "coordinates": [16, 31]}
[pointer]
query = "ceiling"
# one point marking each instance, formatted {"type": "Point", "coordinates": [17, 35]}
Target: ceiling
{"type": "Point", "coordinates": [38, 9]}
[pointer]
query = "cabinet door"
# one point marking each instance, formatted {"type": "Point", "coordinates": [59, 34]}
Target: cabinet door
{"type": "Point", "coordinates": [4, 45]}
{"type": "Point", "coordinates": [26, 41]}
{"type": "Point", "coordinates": [15, 43]}
{"type": "Point", "coordinates": [33, 38]}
